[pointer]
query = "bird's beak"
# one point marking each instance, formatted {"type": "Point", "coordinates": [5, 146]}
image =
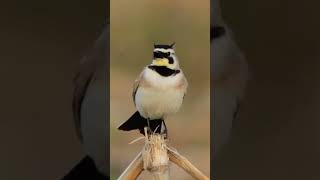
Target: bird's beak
{"type": "Point", "coordinates": [161, 62]}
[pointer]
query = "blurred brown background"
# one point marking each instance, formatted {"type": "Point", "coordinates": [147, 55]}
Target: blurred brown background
{"type": "Point", "coordinates": [135, 26]}
{"type": "Point", "coordinates": [41, 45]}
{"type": "Point", "coordinates": [277, 135]}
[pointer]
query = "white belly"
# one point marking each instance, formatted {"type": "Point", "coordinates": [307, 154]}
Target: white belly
{"type": "Point", "coordinates": [156, 104]}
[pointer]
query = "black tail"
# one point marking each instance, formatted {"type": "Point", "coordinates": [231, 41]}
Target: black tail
{"type": "Point", "coordinates": [136, 121]}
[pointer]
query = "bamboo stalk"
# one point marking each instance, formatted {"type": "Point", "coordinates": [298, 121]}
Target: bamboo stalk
{"type": "Point", "coordinates": [186, 165]}
{"type": "Point", "coordinates": [133, 170]}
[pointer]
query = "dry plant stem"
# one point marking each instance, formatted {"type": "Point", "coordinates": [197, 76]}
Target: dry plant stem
{"type": "Point", "coordinates": [186, 165]}
{"type": "Point", "coordinates": [133, 170]}
{"type": "Point", "coordinates": [155, 157]}
{"type": "Point", "coordinates": [161, 174]}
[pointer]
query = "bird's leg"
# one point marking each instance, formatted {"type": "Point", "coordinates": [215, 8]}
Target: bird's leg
{"type": "Point", "coordinates": [148, 121]}
{"type": "Point", "coordinates": [165, 131]}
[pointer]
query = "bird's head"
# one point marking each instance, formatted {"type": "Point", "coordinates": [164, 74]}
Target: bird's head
{"type": "Point", "coordinates": [164, 55]}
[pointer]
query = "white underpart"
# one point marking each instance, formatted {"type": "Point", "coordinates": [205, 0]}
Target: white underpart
{"type": "Point", "coordinates": [164, 50]}
{"type": "Point", "coordinates": [162, 99]}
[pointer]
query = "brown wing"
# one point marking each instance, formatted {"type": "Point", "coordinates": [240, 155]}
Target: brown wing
{"type": "Point", "coordinates": [184, 85]}
{"type": "Point", "coordinates": [136, 86]}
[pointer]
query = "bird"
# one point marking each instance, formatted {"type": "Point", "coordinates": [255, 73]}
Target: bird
{"type": "Point", "coordinates": [90, 106]}
{"type": "Point", "coordinates": [158, 92]}
{"type": "Point", "coordinates": [229, 76]}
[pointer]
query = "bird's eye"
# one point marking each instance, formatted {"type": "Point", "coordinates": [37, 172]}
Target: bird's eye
{"type": "Point", "coordinates": [158, 54]}
{"type": "Point", "coordinates": [170, 60]}
{"type": "Point", "coordinates": [155, 54]}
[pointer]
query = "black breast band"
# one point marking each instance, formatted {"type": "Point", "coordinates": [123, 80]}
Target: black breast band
{"type": "Point", "coordinates": [163, 70]}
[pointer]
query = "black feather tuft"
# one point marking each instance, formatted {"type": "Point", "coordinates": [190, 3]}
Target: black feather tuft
{"type": "Point", "coordinates": [162, 46]}
{"type": "Point", "coordinates": [172, 45]}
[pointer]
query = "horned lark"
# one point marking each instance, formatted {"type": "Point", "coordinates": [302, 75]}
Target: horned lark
{"type": "Point", "coordinates": [158, 92]}
{"type": "Point", "coordinates": [229, 74]}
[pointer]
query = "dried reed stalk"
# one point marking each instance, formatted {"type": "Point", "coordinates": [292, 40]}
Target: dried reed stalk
{"type": "Point", "coordinates": [133, 170]}
{"type": "Point", "coordinates": [186, 165]}
{"type": "Point", "coordinates": [155, 157]}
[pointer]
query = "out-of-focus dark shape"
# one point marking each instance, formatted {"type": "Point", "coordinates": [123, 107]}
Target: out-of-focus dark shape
{"type": "Point", "coordinates": [229, 73]}
{"type": "Point", "coordinates": [91, 105]}
{"type": "Point", "coordinates": [85, 169]}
